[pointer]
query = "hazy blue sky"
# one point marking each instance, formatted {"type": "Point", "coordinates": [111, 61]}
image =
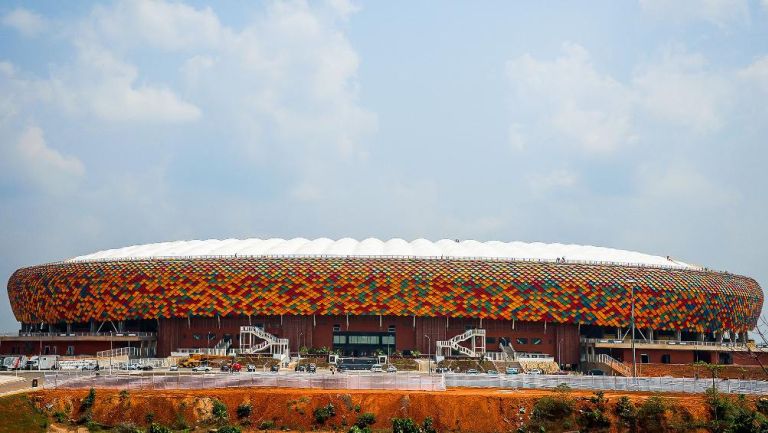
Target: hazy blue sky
{"type": "Point", "coordinates": [635, 125]}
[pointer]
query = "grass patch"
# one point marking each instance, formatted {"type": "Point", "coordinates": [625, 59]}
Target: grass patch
{"type": "Point", "coordinates": [20, 415]}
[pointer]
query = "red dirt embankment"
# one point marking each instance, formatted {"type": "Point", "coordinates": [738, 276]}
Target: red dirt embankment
{"type": "Point", "coordinates": [688, 370]}
{"type": "Point", "coordinates": [481, 411]}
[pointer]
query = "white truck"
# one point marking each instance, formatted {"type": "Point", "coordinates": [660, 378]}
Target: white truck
{"type": "Point", "coordinates": [44, 362]}
{"type": "Point", "coordinates": [14, 362]}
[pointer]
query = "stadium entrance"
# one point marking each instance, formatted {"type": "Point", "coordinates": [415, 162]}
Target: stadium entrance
{"type": "Point", "coordinates": [363, 343]}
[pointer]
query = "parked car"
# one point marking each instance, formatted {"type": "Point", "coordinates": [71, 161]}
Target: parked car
{"type": "Point", "coordinates": [275, 368]}
{"type": "Point", "coordinates": [442, 370]}
{"type": "Point", "coordinates": [147, 367]}
{"type": "Point", "coordinates": [235, 367]}
{"type": "Point", "coordinates": [472, 371]}
{"type": "Point", "coordinates": [377, 368]}
{"type": "Point", "coordinates": [174, 368]}
{"type": "Point", "coordinates": [512, 370]}
{"type": "Point", "coordinates": [251, 368]}
{"type": "Point", "coordinates": [596, 372]}
{"type": "Point", "coordinates": [202, 368]}
{"type": "Point", "coordinates": [312, 368]}
{"type": "Point", "coordinates": [492, 372]}
{"type": "Point", "coordinates": [300, 368]}
{"type": "Point", "coordinates": [391, 369]}
{"type": "Point", "coordinates": [534, 371]}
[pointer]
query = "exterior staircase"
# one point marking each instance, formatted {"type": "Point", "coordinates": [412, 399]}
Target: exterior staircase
{"type": "Point", "coordinates": [277, 347]}
{"type": "Point", "coordinates": [474, 335]}
{"type": "Point", "coordinates": [509, 351]}
{"type": "Point", "coordinates": [611, 363]}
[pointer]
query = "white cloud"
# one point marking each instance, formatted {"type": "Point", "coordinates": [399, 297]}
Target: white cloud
{"type": "Point", "coordinates": [25, 22]}
{"type": "Point", "coordinates": [107, 88]}
{"type": "Point", "coordinates": [591, 109]}
{"type": "Point", "coordinates": [757, 72]}
{"type": "Point", "coordinates": [679, 89]}
{"type": "Point", "coordinates": [45, 167]}
{"type": "Point", "coordinates": [719, 12]}
{"type": "Point", "coordinates": [556, 179]}
{"type": "Point", "coordinates": [159, 24]}
{"type": "Point", "coordinates": [681, 182]}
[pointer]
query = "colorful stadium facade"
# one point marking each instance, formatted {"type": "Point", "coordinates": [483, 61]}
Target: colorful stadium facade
{"type": "Point", "coordinates": [358, 297]}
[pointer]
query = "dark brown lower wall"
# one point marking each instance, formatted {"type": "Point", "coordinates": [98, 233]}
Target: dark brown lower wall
{"type": "Point", "coordinates": [561, 341]}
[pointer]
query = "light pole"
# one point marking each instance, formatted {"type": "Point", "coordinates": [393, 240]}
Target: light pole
{"type": "Point", "coordinates": [300, 335]}
{"type": "Point", "coordinates": [110, 352]}
{"type": "Point", "coordinates": [632, 326]}
{"type": "Point", "coordinates": [429, 354]}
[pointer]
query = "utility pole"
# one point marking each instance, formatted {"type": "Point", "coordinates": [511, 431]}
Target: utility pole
{"type": "Point", "coordinates": [429, 354]}
{"type": "Point", "coordinates": [632, 326]}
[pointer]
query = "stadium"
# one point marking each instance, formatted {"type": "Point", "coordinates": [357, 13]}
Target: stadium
{"type": "Point", "coordinates": [452, 298]}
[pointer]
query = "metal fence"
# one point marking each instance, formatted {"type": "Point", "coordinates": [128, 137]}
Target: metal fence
{"type": "Point", "coordinates": [607, 383]}
{"type": "Point", "coordinates": [401, 381]}
{"type": "Point", "coordinates": [161, 381]}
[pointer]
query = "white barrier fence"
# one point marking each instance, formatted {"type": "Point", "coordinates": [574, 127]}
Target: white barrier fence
{"type": "Point", "coordinates": [161, 381]}
{"type": "Point", "coordinates": [606, 383]}
{"type": "Point", "coordinates": [402, 381]}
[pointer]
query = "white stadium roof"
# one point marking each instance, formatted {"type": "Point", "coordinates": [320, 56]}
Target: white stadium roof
{"type": "Point", "coordinates": [375, 247]}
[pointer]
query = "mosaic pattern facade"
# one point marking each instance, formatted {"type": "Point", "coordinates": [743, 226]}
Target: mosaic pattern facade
{"type": "Point", "coordinates": [531, 291]}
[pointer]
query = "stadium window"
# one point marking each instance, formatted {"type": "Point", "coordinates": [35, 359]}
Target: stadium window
{"type": "Point", "coordinates": [535, 340]}
{"type": "Point", "coordinates": [70, 350]}
{"type": "Point", "coordinates": [388, 340]}
{"type": "Point", "coordinates": [666, 359]}
{"type": "Point", "coordinates": [490, 340]}
{"type": "Point", "coordinates": [391, 328]}
{"type": "Point", "coordinates": [520, 340]}
{"type": "Point", "coordinates": [336, 328]}
{"type": "Point", "coordinates": [195, 336]}
{"type": "Point", "coordinates": [339, 339]}
{"type": "Point", "coordinates": [47, 350]}
{"type": "Point", "coordinates": [644, 358]}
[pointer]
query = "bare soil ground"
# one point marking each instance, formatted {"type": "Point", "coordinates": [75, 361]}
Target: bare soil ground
{"type": "Point", "coordinates": [468, 410]}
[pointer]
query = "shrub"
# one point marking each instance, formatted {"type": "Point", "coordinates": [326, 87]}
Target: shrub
{"type": "Point", "coordinates": [88, 401]}
{"type": "Point", "coordinates": [229, 429]}
{"type": "Point", "coordinates": [124, 395]}
{"type": "Point", "coordinates": [219, 411]}
{"type": "Point", "coordinates": [244, 410]}
{"type": "Point", "coordinates": [762, 405]}
{"type": "Point", "coordinates": [650, 414]}
{"type": "Point", "coordinates": [149, 418]}
{"type": "Point", "coordinates": [626, 412]}
{"type": "Point", "coordinates": [158, 428]}
{"type": "Point", "coordinates": [60, 416]}
{"type": "Point", "coordinates": [404, 425]}
{"type": "Point", "coordinates": [594, 419]}
{"type": "Point", "coordinates": [127, 428]}
{"type": "Point", "coordinates": [365, 419]}
{"type": "Point", "coordinates": [324, 413]}
{"type": "Point", "coordinates": [428, 426]}
{"type": "Point", "coordinates": [267, 425]}
{"type": "Point", "coordinates": [552, 409]}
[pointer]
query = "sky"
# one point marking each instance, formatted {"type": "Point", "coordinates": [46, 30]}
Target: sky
{"type": "Point", "coordinates": [634, 125]}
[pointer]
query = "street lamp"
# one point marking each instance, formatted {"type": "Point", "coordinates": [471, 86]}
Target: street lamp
{"type": "Point", "coordinates": [429, 354]}
{"type": "Point", "coordinates": [632, 326]}
{"type": "Point", "coordinates": [300, 335]}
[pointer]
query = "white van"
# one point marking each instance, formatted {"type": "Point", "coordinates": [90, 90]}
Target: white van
{"type": "Point", "coordinates": [377, 368]}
